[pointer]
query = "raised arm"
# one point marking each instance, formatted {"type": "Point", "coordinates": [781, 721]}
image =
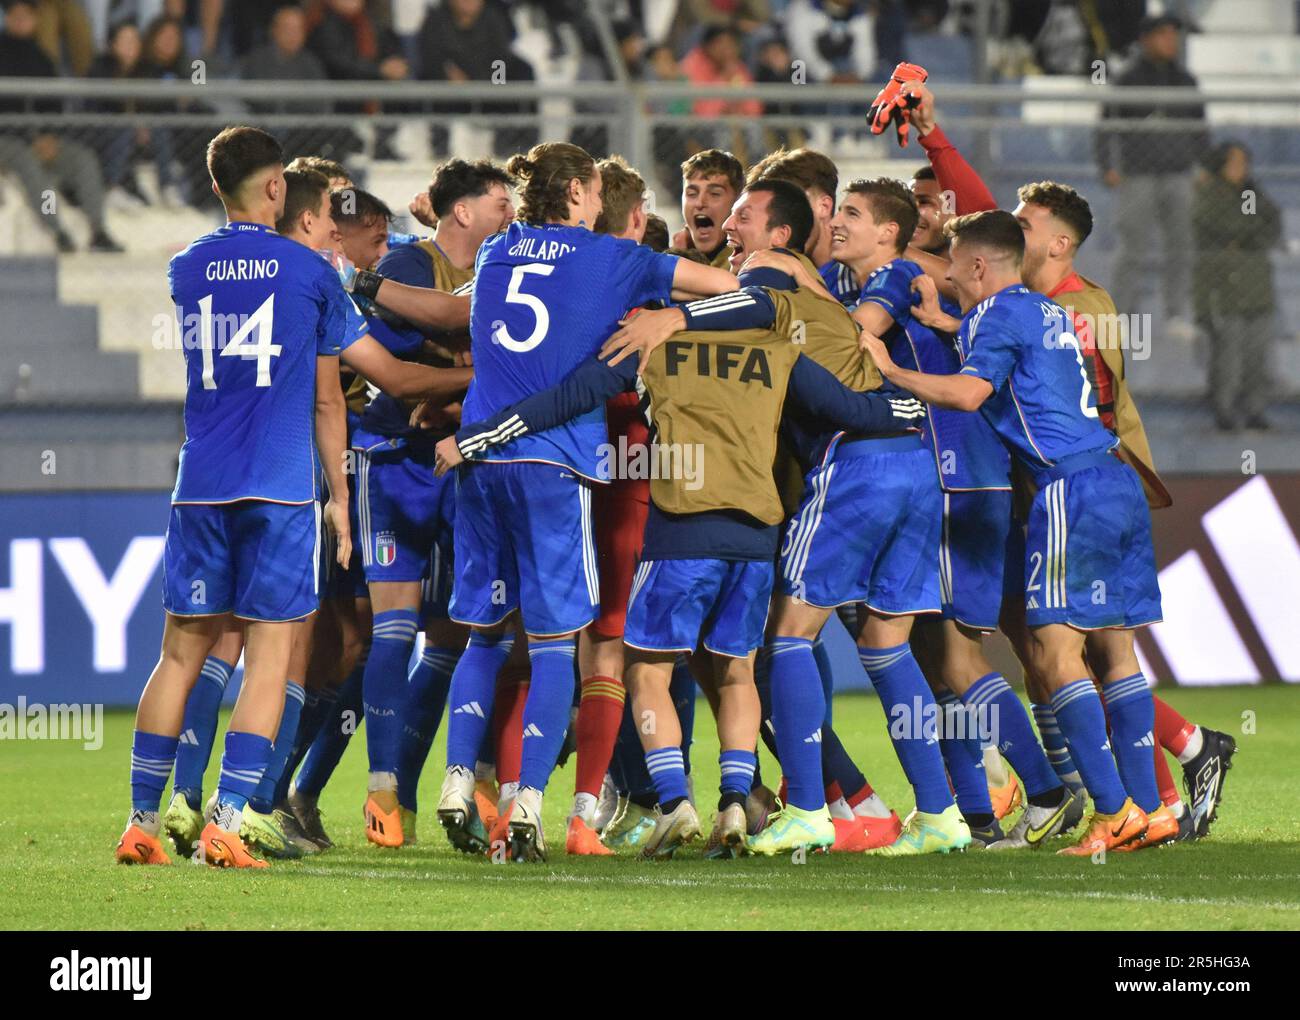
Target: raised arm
{"type": "Point", "coordinates": [587, 387]}
{"type": "Point", "coordinates": [960, 392]}
{"type": "Point", "coordinates": [692, 280]}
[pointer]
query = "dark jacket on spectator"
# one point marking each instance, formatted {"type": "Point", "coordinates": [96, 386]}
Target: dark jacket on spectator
{"type": "Point", "coordinates": [334, 41]}
{"type": "Point", "coordinates": [267, 63]}
{"type": "Point", "coordinates": [473, 50]}
{"type": "Point", "coordinates": [22, 58]}
{"type": "Point", "coordinates": [1233, 273]}
{"type": "Point", "coordinates": [1138, 151]}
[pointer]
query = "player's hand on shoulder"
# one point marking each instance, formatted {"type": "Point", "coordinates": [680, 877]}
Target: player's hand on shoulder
{"type": "Point", "coordinates": [446, 456]}
{"type": "Point", "coordinates": [640, 333]}
{"type": "Point", "coordinates": [770, 258]}
{"type": "Point", "coordinates": [336, 519]}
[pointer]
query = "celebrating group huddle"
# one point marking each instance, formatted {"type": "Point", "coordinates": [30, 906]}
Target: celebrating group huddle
{"type": "Point", "coordinates": [899, 410]}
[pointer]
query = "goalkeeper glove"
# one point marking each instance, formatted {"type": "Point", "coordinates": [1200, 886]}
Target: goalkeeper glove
{"type": "Point", "coordinates": [891, 104]}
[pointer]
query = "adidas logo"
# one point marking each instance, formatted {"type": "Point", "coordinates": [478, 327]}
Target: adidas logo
{"type": "Point", "coordinates": [190, 737]}
{"type": "Point", "coordinates": [1032, 603]}
{"type": "Point", "coordinates": [816, 738]}
{"type": "Point", "coordinates": [473, 708]}
{"type": "Point", "coordinates": [531, 730]}
{"type": "Point", "coordinates": [1106, 746]}
{"type": "Point", "coordinates": [1147, 741]}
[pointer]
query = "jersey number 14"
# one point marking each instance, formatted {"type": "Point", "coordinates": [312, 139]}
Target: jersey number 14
{"type": "Point", "coordinates": [251, 340]}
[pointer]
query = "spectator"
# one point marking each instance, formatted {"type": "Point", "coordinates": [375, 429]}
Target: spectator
{"type": "Point", "coordinates": [63, 32]}
{"type": "Point", "coordinates": [774, 66]}
{"type": "Point", "coordinates": [669, 144]}
{"type": "Point", "coordinates": [165, 59]}
{"type": "Point", "coordinates": [1235, 225]}
{"type": "Point", "coordinates": [121, 61]}
{"type": "Point", "coordinates": [353, 47]}
{"type": "Point", "coordinates": [834, 38]}
{"type": "Point", "coordinates": [470, 40]}
{"type": "Point", "coordinates": [39, 158]}
{"type": "Point", "coordinates": [716, 61]}
{"type": "Point", "coordinates": [696, 16]}
{"type": "Point", "coordinates": [1150, 170]}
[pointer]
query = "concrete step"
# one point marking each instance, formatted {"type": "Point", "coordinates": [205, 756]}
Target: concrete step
{"type": "Point", "coordinates": [52, 374]}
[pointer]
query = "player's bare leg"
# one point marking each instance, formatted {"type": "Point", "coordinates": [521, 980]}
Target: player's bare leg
{"type": "Point", "coordinates": [1056, 653]}
{"type": "Point", "coordinates": [186, 643]}
{"type": "Point", "coordinates": [884, 647]}
{"type": "Point", "coordinates": [253, 725]}
{"type": "Point", "coordinates": [385, 704]}
{"type": "Point", "coordinates": [648, 676]}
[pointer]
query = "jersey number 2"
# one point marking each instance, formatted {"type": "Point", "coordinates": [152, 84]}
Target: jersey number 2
{"type": "Point", "coordinates": [251, 340]}
{"type": "Point", "coordinates": [515, 296]}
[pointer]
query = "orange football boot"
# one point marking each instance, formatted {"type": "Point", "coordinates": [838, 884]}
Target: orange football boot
{"type": "Point", "coordinates": [383, 826]}
{"type": "Point", "coordinates": [1162, 827]}
{"type": "Point", "coordinates": [224, 849]}
{"type": "Point", "coordinates": [499, 833]}
{"type": "Point", "coordinates": [485, 799]}
{"type": "Point", "coordinates": [850, 836]}
{"type": "Point", "coordinates": [138, 847]}
{"type": "Point", "coordinates": [584, 841]}
{"type": "Point", "coordinates": [1110, 832]}
{"type": "Point", "coordinates": [880, 831]}
{"type": "Point", "coordinates": [1005, 798]}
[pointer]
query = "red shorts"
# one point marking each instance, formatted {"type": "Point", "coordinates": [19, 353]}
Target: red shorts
{"type": "Point", "coordinates": [619, 512]}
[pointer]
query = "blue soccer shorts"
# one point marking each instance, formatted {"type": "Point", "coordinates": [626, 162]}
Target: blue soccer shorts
{"type": "Point", "coordinates": [407, 519]}
{"type": "Point", "coordinates": [1089, 562]}
{"type": "Point", "coordinates": [523, 541]}
{"type": "Point", "coordinates": [677, 604]}
{"type": "Point", "coordinates": [867, 530]}
{"type": "Point", "coordinates": [973, 556]}
{"type": "Point", "coordinates": [258, 560]}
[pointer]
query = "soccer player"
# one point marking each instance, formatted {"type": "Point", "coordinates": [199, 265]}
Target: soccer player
{"type": "Point", "coordinates": [547, 292]}
{"type": "Point", "coordinates": [1024, 370]}
{"type": "Point", "coordinates": [407, 515]}
{"type": "Point", "coordinates": [243, 536]}
{"type": "Point", "coordinates": [706, 570]}
{"type": "Point", "coordinates": [976, 528]}
{"type": "Point", "coordinates": [711, 182]}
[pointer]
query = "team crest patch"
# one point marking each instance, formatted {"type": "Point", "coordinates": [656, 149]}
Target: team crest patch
{"type": "Point", "coordinates": [385, 548]}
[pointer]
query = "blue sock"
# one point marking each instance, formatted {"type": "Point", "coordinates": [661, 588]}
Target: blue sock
{"type": "Point", "coordinates": [999, 712]}
{"type": "Point", "coordinates": [1132, 714]}
{"type": "Point", "coordinates": [316, 706]}
{"type": "Point", "coordinates": [681, 688]}
{"type": "Point", "coordinates": [263, 800]}
{"type": "Point", "coordinates": [241, 768]}
{"type": "Point", "coordinates": [473, 687]}
{"type": "Point", "coordinates": [327, 747]}
{"type": "Point", "coordinates": [546, 712]}
{"type": "Point", "coordinates": [827, 674]}
{"type": "Point", "coordinates": [427, 689]}
{"type": "Point", "coordinates": [737, 772]}
{"type": "Point", "coordinates": [909, 703]}
{"type": "Point", "coordinates": [1058, 755]}
{"type": "Point", "coordinates": [837, 766]}
{"type": "Point", "coordinates": [152, 756]}
{"type": "Point", "coordinates": [629, 761]}
{"type": "Point", "coordinates": [199, 729]}
{"type": "Point", "coordinates": [1083, 723]}
{"type": "Point", "coordinates": [667, 773]}
{"type": "Point", "coordinates": [384, 686]}
{"type": "Point", "coordinates": [964, 757]}
{"type": "Point", "coordinates": [798, 710]}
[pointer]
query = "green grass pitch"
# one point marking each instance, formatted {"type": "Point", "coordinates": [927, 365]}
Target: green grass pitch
{"type": "Point", "coordinates": [62, 809]}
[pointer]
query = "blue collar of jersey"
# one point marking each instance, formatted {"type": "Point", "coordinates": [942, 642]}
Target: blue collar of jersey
{"type": "Point", "coordinates": [249, 225]}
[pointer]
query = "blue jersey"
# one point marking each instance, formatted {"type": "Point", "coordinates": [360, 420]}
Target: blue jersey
{"type": "Point", "coordinates": [967, 451]}
{"type": "Point", "coordinates": [255, 310]}
{"type": "Point", "coordinates": [841, 282]}
{"type": "Point", "coordinates": [1043, 405]}
{"type": "Point", "coordinates": [545, 298]}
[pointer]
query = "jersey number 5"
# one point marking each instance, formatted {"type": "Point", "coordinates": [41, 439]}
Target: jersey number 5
{"type": "Point", "coordinates": [251, 340]}
{"type": "Point", "coordinates": [515, 296]}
